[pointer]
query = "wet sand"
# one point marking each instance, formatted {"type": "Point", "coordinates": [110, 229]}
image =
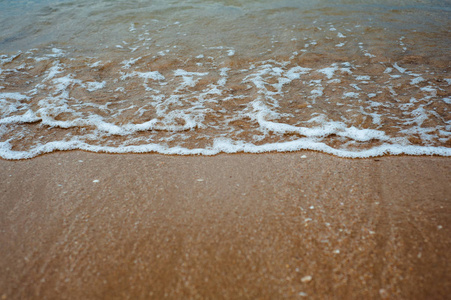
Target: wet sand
{"type": "Point", "coordinates": [77, 225]}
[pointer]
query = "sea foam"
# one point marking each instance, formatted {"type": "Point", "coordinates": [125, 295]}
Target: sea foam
{"type": "Point", "coordinates": [140, 95]}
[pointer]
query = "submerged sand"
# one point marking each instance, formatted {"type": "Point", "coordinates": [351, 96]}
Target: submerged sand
{"type": "Point", "coordinates": [303, 225]}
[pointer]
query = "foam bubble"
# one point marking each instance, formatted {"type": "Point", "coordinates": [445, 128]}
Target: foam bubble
{"type": "Point", "coordinates": [401, 70]}
{"type": "Point", "coordinates": [329, 72]}
{"type": "Point", "coordinates": [188, 77]}
{"type": "Point", "coordinates": [94, 86]}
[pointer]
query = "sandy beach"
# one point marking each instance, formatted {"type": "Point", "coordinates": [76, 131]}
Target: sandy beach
{"type": "Point", "coordinates": [304, 225]}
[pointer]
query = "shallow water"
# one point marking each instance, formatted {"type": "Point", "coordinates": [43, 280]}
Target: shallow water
{"type": "Point", "coordinates": [350, 78]}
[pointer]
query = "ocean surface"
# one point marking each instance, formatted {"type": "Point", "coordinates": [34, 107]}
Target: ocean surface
{"type": "Point", "coordinates": [353, 78]}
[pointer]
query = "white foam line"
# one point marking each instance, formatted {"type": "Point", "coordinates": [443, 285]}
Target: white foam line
{"type": "Point", "coordinates": [105, 127]}
{"type": "Point", "coordinates": [14, 96]}
{"type": "Point", "coordinates": [27, 117]}
{"type": "Point", "coordinates": [223, 146]}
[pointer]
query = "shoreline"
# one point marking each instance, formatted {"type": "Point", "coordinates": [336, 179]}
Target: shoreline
{"type": "Point", "coordinates": [77, 225]}
{"type": "Point", "coordinates": [387, 150]}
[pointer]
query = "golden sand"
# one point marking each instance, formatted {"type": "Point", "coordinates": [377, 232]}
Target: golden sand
{"type": "Point", "coordinates": [304, 225]}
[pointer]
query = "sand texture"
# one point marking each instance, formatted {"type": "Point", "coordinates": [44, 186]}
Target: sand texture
{"type": "Point", "coordinates": [78, 225]}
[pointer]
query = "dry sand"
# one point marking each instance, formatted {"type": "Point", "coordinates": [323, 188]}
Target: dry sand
{"type": "Point", "coordinates": [78, 225]}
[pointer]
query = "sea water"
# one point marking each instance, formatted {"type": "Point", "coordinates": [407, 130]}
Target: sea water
{"type": "Point", "coordinates": [353, 78]}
